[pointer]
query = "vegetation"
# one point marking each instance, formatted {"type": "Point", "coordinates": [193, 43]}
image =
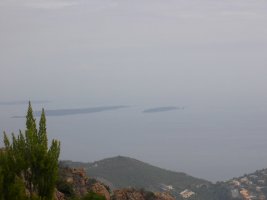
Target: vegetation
{"type": "Point", "coordinates": [28, 168]}
{"type": "Point", "coordinates": [130, 172]}
{"type": "Point", "coordinates": [67, 189]}
{"type": "Point", "coordinates": [218, 191]}
{"type": "Point", "coordinates": [147, 194]}
{"type": "Point", "coordinates": [93, 196]}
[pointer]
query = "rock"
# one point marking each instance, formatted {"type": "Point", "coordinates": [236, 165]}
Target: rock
{"type": "Point", "coordinates": [81, 185]}
{"type": "Point", "coordinates": [59, 195]}
{"type": "Point", "coordinates": [132, 194]}
{"type": "Point", "coordinates": [69, 180]}
{"type": "Point", "coordinates": [163, 196]}
{"type": "Point", "coordinates": [127, 194]}
{"type": "Point", "coordinates": [77, 178]}
{"type": "Point", "coordinates": [100, 189]}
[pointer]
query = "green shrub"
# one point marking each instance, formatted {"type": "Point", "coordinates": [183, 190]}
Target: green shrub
{"type": "Point", "coordinates": [93, 196]}
{"type": "Point", "coordinates": [65, 188]}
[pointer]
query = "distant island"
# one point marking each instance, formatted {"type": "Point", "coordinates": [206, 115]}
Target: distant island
{"type": "Point", "coordinates": [161, 109]}
{"type": "Point", "coordinates": [75, 111]}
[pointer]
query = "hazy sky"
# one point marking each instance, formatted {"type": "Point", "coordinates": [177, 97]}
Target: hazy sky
{"type": "Point", "coordinates": [201, 54]}
{"type": "Point", "coordinates": [122, 51]}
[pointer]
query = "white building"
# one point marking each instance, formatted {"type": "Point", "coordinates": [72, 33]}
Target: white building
{"type": "Point", "coordinates": [187, 193]}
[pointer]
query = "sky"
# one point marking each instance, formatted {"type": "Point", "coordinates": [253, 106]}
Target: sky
{"type": "Point", "coordinates": [134, 52]}
{"type": "Point", "coordinates": [206, 55]}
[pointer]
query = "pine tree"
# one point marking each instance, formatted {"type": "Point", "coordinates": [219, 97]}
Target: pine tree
{"type": "Point", "coordinates": [11, 185]}
{"type": "Point", "coordinates": [28, 161]}
{"type": "Point", "coordinates": [30, 153]}
{"type": "Point", "coordinates": [48, 162]}
{"type": "Point", "coordinates": [42, 135]}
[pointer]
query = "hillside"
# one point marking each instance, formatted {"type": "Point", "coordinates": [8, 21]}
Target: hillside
{"type": "Point", "coordinates": [121, 172]}
{"type": "Point", "coordinates": [249, 185]}
{"type": "Point", "coordinates": [74, 184]}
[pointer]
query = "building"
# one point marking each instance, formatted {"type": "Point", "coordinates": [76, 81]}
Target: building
{"type": "Point", "coordinates": [187, 193]}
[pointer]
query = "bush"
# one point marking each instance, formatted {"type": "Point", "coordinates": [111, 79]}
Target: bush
{"type": "Point", "coordinates": [65, 188]}
{"type": "Point", "coordinates": [93, 196]}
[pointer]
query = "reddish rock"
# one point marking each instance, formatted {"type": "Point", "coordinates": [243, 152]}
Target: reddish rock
{"type": "Point", "coordinates": [132, 194]}
{"type": "Point", "coordinates": [100, 189]}
{"type": "Point", "coordinates": [163, 196]}
{"type": "Point", "coordinates": [59, 195]}
{"type": "Point", "coordinates": [127, 194]}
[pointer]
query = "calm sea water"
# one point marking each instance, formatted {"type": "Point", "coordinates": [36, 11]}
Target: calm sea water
{"type": "Point", "coordinates": [212, 143]}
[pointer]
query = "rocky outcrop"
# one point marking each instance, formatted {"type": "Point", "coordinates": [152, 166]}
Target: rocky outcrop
{"type": "Point", "coordinates": [99, 188]}
{"type": "Point", "coordinates": [127, 194]}
{"type": "Point", "coordinates": [77, 178]}
{"type": "Point", "coordinates": [133, 194]}
{"type": "Point", "coordinates": [163, 196]}
{"type": "Point", "coordinates": [59, 195]}
{"type": "Point", "coordinates": [81, 184]}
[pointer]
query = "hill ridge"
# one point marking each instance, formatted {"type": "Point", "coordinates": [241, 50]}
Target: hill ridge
{"type": "Point", "coordinates": [123, 171]}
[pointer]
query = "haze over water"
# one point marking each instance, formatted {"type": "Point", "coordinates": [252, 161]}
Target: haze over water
{"type": "Point", "coordinates": [207, 56]}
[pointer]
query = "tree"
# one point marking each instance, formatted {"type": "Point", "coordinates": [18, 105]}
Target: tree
{"type": "Point", "coordinates": [11, 186]}
{"type": "Point", "coordinates": [31, 160]}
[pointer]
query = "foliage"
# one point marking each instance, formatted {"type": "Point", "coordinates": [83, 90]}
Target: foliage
{"type": "Point", "coordinates": [147, 194]}
{"type": "Point", "coordinates": [65, 187]}
{"type": "Point", "coordinates": [88, 196]}
{"type": "Point", "coordinates": [15, 189]}
{"type": "Point", "coordinates": [92, 181]}
{"type": "Point", "coordinates": [130, 172]}
{"type": "Point", "coordinates": [218, 191]}
{"type": "Point", "coordinates": [27, 164]}
{"type": "Point", "coordinates": [93, 196]}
